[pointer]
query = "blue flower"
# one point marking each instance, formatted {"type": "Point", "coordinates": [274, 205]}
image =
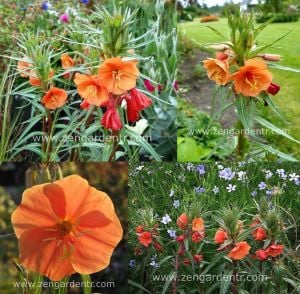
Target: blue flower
{"type": "Point", "coordinates": [262, 186]}
{"type": "Point", "coordinates": [199, 190]}
{"type": "Point", "coordinates": [171, 233]}
{"type": "Point", "coordinates": [216, 190]}
{"type": "Point", "coordinates": [176, 203]}
{"type": "Point", "coordinates": [253, 193]}
{"type": "Point", "coordinates": [166, 219]}
{"type": "Point", "coordinates": [45, 5]}
{"type": "Point", "coordinates": [85, 1]}
{"type": "Point", "coordinates": [226, 174]}
{"type": "Point", "coordinates": [131, 263]}
{"type": "Point", "coordinates": [200, 169]}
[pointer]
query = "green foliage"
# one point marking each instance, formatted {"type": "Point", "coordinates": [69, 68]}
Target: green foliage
{"type": "Point", "coordinates": [278, 17]}
{"type": "Point", "coordinates": [150, 191]}
{"type": "Point", "coordinates": [199, 137]}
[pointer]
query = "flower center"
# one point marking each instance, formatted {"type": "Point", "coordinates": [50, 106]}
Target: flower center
{"type": "Point", "coordinates": [251, 81]}
{"type": "Point", "coordinates": [53, 99]}
{"type": "Point", "coordinates": [117, 74]}
{"type": "Point", "coordinates": [92, 90]}
{"type": "Point", "coordinates": [65, 228]}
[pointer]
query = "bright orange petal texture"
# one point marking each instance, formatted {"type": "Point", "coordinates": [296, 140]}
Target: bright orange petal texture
{"type": "Point", "coordinates": [67, 61]}
{"type": "Point", "coordinates": [90, 88]}
{"type": "Point", "coordinates": [239, 251]}
{"type": "Point", "coordinates": [217, 70]}
{"type": "Point", "coordinates": [252, 78]}
{"type": "Point", "coordinates": [197, 224]}
{"type": "Point", "coordinates": [118, 75]}
{"type": "Point", "coordinates": [66, 227]}
{"type": "Point", "coordinates": [55, 98]}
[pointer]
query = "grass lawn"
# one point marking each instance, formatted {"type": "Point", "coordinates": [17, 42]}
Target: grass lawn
{"type": "Point", "coordinates": [288, 99]}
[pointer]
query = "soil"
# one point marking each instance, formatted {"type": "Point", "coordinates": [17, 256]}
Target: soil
{"type": "Point", "coordinates": [198, 89]}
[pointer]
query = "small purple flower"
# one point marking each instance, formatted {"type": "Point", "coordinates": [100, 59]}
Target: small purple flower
{"type": "Point", "coordinates": [172, 192]}
{"type": "Point", "coordinates": [45, 5]}
{"type": "Point", "coordinates": [269, 192]}
{"type": "Point", "coordinates": [200, 169]}
{"type": "Point", "coordinates": [64, 18]}
{"type": "Point", "coordinates": [199, 190]}
{"type": "Point", "coordinates": [216, 190]}
{"type": "Point", "coordinates": [294, 177]}
{"type": "Point", "coordinates": [269, 174]}
{"type": "Point", "coordinates": [154, 264]}
{"type": "Point", "coordinates": [171, 233]}
{"type": "Point", "coordinates": [226, 174]}
{"type": "Point", "coordinates": [132, 263]}
{"type": "Point", "coordinates": [231, 188]}
{"type": "Point", "coordinates": [85, 1]}
{"type": "Point", "coordinates": [190, 167]}
{"type": "Point", "coordinates": [253, 193]}
{"type": "Point", "coordinates": [166, 219]}
{"type": "Point", "coordinates": [176, 203]}
{"type": "Point", "coordinates": [262, 186]}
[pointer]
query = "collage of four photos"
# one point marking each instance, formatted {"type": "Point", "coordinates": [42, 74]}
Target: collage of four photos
{"type": "Point", "coordinates": [149, 146]}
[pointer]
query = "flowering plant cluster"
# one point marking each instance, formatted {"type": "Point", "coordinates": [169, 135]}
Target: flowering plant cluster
{"type": "Point", "coordinates": [86, 91]}
{"type": "Point", "coordinates": [241, 71]}
{"type": "Point", "coordinates": [198, 236]}
{"type": "Point", "coordinates": [115, 82]}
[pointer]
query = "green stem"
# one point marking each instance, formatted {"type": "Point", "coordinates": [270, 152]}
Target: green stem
{"type": "Point", "coordinates": [241, 144]}
{"type": "Point", "coordinates": [234, 281]}
{"type": "Point", "coordinates": [87, 288]}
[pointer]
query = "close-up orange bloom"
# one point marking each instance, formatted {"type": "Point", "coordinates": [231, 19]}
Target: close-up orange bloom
{"type": "Point", "coordinates": [67, 61]}
{"type": "Point", "coordinates": [24, 68]}
{"type": "Point", "coordinates": [66, 227]}
{"type": "Point", "coordinates": [220, 236]}
{"type": "Point", "coordinates": [274, 250]}
{"type": "Point", "coordinates": [252, 78]}
{"type": "Point", "coordinates": [55, 98]}
{"type": "Point", "coordinates": [91, 89]}
{"type": "Point", "coordinates": [259, 234]}
{"type": "Point", "coordinates": [217, 70]}
{"type": "Point", "coordinates": [239, 251]}
{"type": "Point", "coordinates": [182, 221]}
{"type": "Point", "coordinates": [145, 238]}
{"type": "Point", "coordinates": [35, 81]}
{"type": "Point", "coordinates": [197, 236]}
{"type": "Point", "coordinates": [118, 75]}
{"type": "Point", "coordinates": [261, 255]}
{"type": "Point", "coordinates": [197, 224]}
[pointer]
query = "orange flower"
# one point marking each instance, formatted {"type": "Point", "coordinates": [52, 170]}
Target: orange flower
{"type": "Point", "coordinates": [198, 236]}
{"type": "Point", "coordinates": [252, 78]}
{"type": "Point", "coordinates": [65, 227]}
{"type": "Point", "coordinates": [35, 81]}
{"type": "Point", "coordinates": [197, 224]}
{"type": "Point", "coordinates": [24, 68]}
{"type": "Point", "coordinates": [118, 75]}
{"type": "Point", "coordinates": [259, 234]}
{"type": "Point", "coordinates": [217, 70]}
{"type": "Point", "coordinates": [67, 61]}
{"type": "Point", "coordinates": [55, 98]}
{"type": "Point", "coordinates": [274, 250]}
{"type": "Point", "coordinates": [261, 255]}
{"type": "Point", "coordinates": [91, 89]}
{"type": "Point", "coordinates": [220, 236]}
{"type": "Point", "coordinates": [145, 239]}
{"type": "Point", "coordinates": [182, 221]}
{"type": "Point", "coordinates": [139, 229]}
{"type": "Point", "coordinates": [239, 251]}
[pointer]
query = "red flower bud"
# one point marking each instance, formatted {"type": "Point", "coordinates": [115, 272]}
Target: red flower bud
{"type": "Point", "coordinates": [180, 238]}
{"type": "Point", "coordinates": [158, 247]}
{"type": "Point", "coordinates": [273, 89]}
{"type": "Point", "coordinates": [261, 255]}
{"type": "Point", "coordinates": [139, 229]}
{"type": "Point", "coordinates": [186, 261]}
{"type": "Point", "coordinates": [85, 105]}
{"type": "Point", "coordinates": [111, 120]}
{"type": "Point", "coordinates": [198, 257]}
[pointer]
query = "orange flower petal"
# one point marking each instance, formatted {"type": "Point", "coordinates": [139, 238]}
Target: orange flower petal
{"type": "Point", "coordinates": [35, 210]}
{"type": "Point", "coordinates": [93, 251]}
{"type": "Point", "coordinates": [57, 199]}
{"type": "Point", "coordinates": [40, 252]}
{"type": "Point", "coordinates": [93, 219]}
